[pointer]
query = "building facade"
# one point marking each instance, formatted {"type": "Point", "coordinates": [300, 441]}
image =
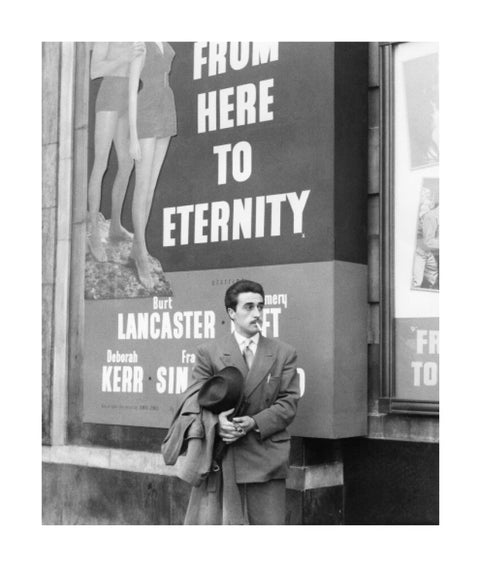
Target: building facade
{"type": "Point", "coordinates": [311, 167]}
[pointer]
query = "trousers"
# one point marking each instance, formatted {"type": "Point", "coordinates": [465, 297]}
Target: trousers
{"type": "Point", "coordinates": [264, 502]}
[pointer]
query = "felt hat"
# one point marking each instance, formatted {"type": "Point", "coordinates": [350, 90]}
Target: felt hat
{"type": "Point", "coordinates": [223, 391]}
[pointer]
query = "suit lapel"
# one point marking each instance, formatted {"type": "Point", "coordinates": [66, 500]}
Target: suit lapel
{"type": "Point", "coordinates": [262, 363]}
{"type": "Point", "coordinates": [232, 355]}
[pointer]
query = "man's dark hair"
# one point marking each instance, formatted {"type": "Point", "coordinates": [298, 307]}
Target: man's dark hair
{"type": "Point", "coordinates": [242, 286]}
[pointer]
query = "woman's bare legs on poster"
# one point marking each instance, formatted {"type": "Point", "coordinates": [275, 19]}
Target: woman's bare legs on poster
{"type": "Point", "coordinates": [105, 125]}
{"type": "Point", "coordinates": [153, 151]}
{"type": "Point", "coordinates": [125, 166]}
{"type": "Point", "coordinates": [143, 169]}
{"type": "Point", "coordinates": [161, 147]}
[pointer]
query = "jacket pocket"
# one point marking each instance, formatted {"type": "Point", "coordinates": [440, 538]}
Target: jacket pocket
{"type": "Point", "coordinates": [272, 386]}
{"type": "Point", "coordinates": [280, 436]}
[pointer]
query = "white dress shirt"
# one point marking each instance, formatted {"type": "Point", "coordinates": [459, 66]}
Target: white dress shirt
{"type": "Point", "coordinates": [242, 341]}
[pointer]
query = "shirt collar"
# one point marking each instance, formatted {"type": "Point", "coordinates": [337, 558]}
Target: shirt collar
{"type": "Point", "coordinates": [241, 340]}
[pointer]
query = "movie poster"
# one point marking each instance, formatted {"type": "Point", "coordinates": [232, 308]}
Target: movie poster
{"type": "Point", "coordinates": [230, 182]}
{"type": "Point", "coordinates": [417, 249]}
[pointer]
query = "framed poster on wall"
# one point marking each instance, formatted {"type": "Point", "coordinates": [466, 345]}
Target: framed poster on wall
{"type": "Point", "coordinates": [249, 184]}
{"type": "Point", "coordinates": [410, 250]}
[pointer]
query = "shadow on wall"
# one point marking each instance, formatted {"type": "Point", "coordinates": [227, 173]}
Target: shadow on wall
{"type": "Point", "coordinates": [110, 497]}
{"type": "Point", "coordinates": [391, 482]}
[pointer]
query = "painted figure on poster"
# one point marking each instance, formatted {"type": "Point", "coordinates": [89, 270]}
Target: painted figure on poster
{"type": "Point", "coordinates": [426, 263]}
{"type": "Point", "coordinates": [152, 122]}
{"type": "Point", "coordinates": [421, 89]}
{"type": "Point", "coordinates": [133, 98]}
{"type": "Point", "coordinates": [112, 62]}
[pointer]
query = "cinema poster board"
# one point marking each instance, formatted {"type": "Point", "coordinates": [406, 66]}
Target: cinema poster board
{"type": "Point", "coordinates": [416, 223]}
{"type": "Point", "coordinates": [265, 180]}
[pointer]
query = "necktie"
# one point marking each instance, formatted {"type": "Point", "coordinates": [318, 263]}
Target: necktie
{"type": "Point", "coordinates": [248, 354]}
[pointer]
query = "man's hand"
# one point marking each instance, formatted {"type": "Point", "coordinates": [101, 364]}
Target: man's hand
{"type": "Point", "coordinates": [229, 431]}
{"type": "Point", "coordinates": [246, 423]}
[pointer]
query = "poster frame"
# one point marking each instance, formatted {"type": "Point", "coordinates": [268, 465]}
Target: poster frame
{"type": "Point", "coordinates": [388, 402]}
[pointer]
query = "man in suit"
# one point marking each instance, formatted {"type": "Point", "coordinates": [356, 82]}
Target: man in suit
{"type": "Point", "coordinates": [258, 441]}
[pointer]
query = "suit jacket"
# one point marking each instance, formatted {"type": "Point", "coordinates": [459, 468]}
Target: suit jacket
{"type": "Point", "coordinates": [271, 396]}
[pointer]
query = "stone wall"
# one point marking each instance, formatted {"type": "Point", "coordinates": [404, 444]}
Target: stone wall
{"type": "Point", "coordinates": [50, 151]}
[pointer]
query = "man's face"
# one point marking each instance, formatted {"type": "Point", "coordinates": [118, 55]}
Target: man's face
{"type": "Point", "coordinates": [249, 311]}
